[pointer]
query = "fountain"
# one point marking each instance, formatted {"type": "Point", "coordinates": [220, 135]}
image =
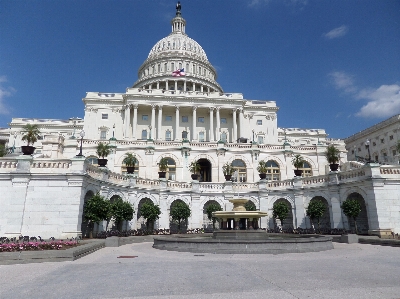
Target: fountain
{"type": "Point", "coordinates": [239, 233]}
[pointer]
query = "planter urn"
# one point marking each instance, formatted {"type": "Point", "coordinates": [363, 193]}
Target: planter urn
{"type": "Point", "coordinates": [27, 149]}
{"type": "Point", "coordinates": [334, 167]}
{"type": "Point", "coordinates": [102, 162]}
{"type": "Point", "coordinates": [195, 176]}
{"type": "Point", "coordinates": [161, 174]}
{"type": "Point", "coordinates": [262, 176]}
{"type": "Point", "coordinates": [228, 177]}
{"type": "Point", "coordinates": [130, 169]}
{"type": "Point", "coordinates": [298, 172]}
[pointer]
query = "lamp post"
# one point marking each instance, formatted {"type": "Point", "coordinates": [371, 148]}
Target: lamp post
{"type": "Point", "coordinates": [253, 135]}
{"type": "Point", "coordinates": [82, 134]}
{"type": "Point", "coordinates": [150, 127]}
{"type": "Point", "coordinates": [369, 154]}
{"type": "Point", "coordinates": [113, 130]}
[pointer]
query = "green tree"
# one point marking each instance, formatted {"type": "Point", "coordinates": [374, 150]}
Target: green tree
{"type": "Point", "coordinates": [119, 211]}
{"type": "Point", "coordinates": [316, 210]}
{"type": "Point", "coordinates": [180, 211]}
{"type": "Point", "coordinates": [3, 150]}
{"type": "Point", "coordinates": [351, 208]}
{"type": "Point", "coordinates": [31, 133]}
{"type": "Point", "coordinates": [103, 150]}
{"type": "Point", "coordinates": [213, 207]}
{"type": "Point", "coordinates": [150, 212]}
{"type": "Point", "coordinates": [95, 209]}
{"type": "Point", "coordinates": [250, 206]}
{"type": "Point", "coordinates": [280, 211]}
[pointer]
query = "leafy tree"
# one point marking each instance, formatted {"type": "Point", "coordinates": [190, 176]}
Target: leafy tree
{"type": "Point", "coordinates": [95, 209]}
{"type": "Point", "coordinates": [31, 133]}
{"type": "Point", "coordinates": [250, 206]}
{"type": "Point", "coordinates": [298, 161]}
{"type": "Point", "coordinates": [351, 208]}
{"type": "Point", "coordinates": [180, 211]}
{"type": "Point", "coordinates": [120, 210]}
{"type": "Point", "coordinates": [316, 209]}
{"type": "Point", "coordinates": [213, 207]}
{"type": "Point", "coordinates": [332, 154]}
{"type": "Point", "coordinates": [280, 211]}
{"type": "Point", "coordinates": [3, 150]}
{"type": "Point", "coordinates": [150, 212]}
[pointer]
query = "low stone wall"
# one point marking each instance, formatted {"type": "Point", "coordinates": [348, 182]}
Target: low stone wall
{"type": "Point", "coordinates": [71, 254]}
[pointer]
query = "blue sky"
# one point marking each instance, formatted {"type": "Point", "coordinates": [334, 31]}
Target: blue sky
{"type": "Point", "coordinates": [328, 64]}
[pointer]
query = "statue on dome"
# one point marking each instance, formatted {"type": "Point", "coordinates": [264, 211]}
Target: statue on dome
{"type": "Point", "coordinates": [178, 7]}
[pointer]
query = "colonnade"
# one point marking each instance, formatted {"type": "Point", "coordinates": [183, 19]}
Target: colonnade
{"type": "Point", "coordinates": [156, 132]}
{"type": "Point", "coordinates": [186, 87]}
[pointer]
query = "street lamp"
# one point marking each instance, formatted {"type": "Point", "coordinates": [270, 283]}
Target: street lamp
{"type": "Point", "coordinates": [253, 134]}
{"type": "Point", "coordinates": [369, 154]}
{"type": "Point", "coordinates": [150, 127]}
{"type": "Point", "coordinates": [82, 134]}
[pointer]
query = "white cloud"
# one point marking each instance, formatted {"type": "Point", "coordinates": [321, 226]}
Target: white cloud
{"type": "Point", "coordinates": [343, 81]}
{"type": "Point", "coordinates": [382, 102]}
{"type": "Point", "coordinates": [337, 32]}
{"type": "Point", "coordinates": [4, 92]}
{"type": "Point", "coordinates": [253, 3]}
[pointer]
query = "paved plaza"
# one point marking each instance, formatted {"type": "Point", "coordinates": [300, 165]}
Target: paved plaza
{"type": "Point", "coordinates": [348, 271]}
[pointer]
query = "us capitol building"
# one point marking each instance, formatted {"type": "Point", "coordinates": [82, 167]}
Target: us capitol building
{"type": "Point", "coordinates": [177, 110]}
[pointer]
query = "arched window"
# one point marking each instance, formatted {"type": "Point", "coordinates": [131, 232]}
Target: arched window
{"type": "Point", "coordinates": [184, 135]}
{"type": "Point", "coordinates": [171, 171]}
{"type": "Point", "coordinates": [240, 167]}
{"type": "Point", "coordinates": [307, 171]}
{"type": "Point", "coordinates": [273, 171]}
{"type": "Point", "coordinates": [92, 160]}
{"type": "Point", "coordinates": [144, 134]}
{"type": "Point", "coordinates": [223, 137]}
{"type": "Point", "coordinates": [167, 135]}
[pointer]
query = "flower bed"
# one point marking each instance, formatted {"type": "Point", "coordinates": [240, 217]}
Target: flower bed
{"type": "Point", "coordinates": [143, 232]}
{"type": "Point", "coordinates": [35, 246]}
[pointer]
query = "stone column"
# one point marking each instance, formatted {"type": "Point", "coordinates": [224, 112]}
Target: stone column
{"type": "Point", "coordinates": [241, 123]}
{"type": "Point", "coordinates": [176, 85]}
{"type": "Point", "coordinates": [194, 122]}
{"type": "Point", "coordinates": [159, 125]}
{"type": "Point", "coordinates": [211, 124]}
{"type": "Point", "coordinates": [126, 122]}
{"type": "Point", "coordinates": [234, 135]}
{"type": "Point", "coordinates": [184, 85]}
{"type": "Point", "coordinates": [217, 131]}
{"type": "Point", "coordinates": [166, 85]}
{"type": "Point", "coordinates": [194, 86]}
{"type": "Point", "coordinates": [176, 137]}
{"type": "Point", "coordinates": [134, 123]}
{"type": "Point", "coordinates": [153, 121]}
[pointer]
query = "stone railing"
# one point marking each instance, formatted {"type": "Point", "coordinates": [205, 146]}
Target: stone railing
{"type": "Point", "coordinates": [50, 164]}
{"type": "Point", "coordinates": [211, 186]}
{"type": "Point", "coordinates": [147, 183]}
{"type": "Point", "coordinates": [94, 171]}
{"type": "Point", "coordinates": [8, 164]}
{"type": "Point", "coordinates": [280, 184]}
{"type": "Point", "coordinates": [390, 170]}
{"type": "Point", "coordinates": [245, 186]}
{"type": "Point", "coordinates": [351, 174]}
{"type": "Point", "coordinates": [317, 180]}
{"type": "Point", "coordinates": [179, 185]}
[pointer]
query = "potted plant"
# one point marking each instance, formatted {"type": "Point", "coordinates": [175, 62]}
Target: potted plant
{"type": "Point", "coordinates": [194, 168]}
{"type": "Point", "coordinates": [103, 150]}
{"type": "Point", "coordinates": [262, 169]}
{"type": "Point", "coordinates": [228, 170]}
{"type": "Point", "coordinates": [163, 167]}
{"type": "Point", "coordinates": [298, 162]}
{"type": "Point", "coordinates": [332, 154]}
{"type": "Point", "coordinates": [31, 135]}
{"type": "Point", "coordinates": [130, 160]}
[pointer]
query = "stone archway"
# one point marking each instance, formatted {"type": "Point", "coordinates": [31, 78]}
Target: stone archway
{"type": "Point", "coordinates": [288, 222]}
{"type": "Point", "coordinates": [84, 225]}
{"type": "Point", "coordinates": [207, 223]}
{"type": "Point", "coordinates": [362, 219]}
{"type": "Point", "coordinates": [140, 221]}
{"type": "Point", "coordinates": [173, 226]}
{"type": "Point", "coordinates": [205, 170]}
{"type": "Point", "coordinates": [325, 220]}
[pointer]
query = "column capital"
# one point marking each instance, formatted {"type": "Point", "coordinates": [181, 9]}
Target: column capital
{"type": "Point", "coordinates": [177, 107]}
{"type": "Point", "coordinates": [153, 106]}
{"type": "Point", "coordinates": [135, 106]}
{"type": "Point", "coordinates": [194, 108]}
{"type": "Point", "coordinates": [211, 109]}
{"type": "Point", "coordinates": [217, 108]}
{"type": "Point", "coordinates": [159, 107]}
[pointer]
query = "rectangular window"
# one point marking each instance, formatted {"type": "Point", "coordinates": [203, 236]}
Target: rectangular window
{"type": "Point", "coordinates": [259, 122]}
{"type": "Point", "coordinates": [103, 134]}
{"type": "Point", "coordinates": [382, 140]}
{"type": "Point", "coordinates": [201, 136]}
{"type": "Point", "coordinates": [391, 137]}
{"type": "Point", "coordinates": [104, 116]}
{"type": "Point", "coordinates": [200, 120]}
{"type": "Point", "coordinates": [352, 151]}
{"type": "Point", "coordinates": [145, 117]}
{"type": "Point", "coordinates": [394, 153]}
{"type": "Point", "coordinates": [376, 158]}
{"type": "Point", "coordinates": [260, 139]}
{"type": "Point", "coordinates": [223, 120]}
{"type": "Point", "coordinates": [144, 134]}
{"type": "Point", "coordinates": [168, 118]}
{"type": "Point", "coordinates": [185, 119]}
{"type": "Point", "coordinates": [168, 136]}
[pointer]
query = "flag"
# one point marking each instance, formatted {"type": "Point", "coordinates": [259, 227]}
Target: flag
{"type": "Point", "coordinates": [178, 73]}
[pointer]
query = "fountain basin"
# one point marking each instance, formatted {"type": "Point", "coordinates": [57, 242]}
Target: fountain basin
{"type": "Point", "coordinates": [244, 242]}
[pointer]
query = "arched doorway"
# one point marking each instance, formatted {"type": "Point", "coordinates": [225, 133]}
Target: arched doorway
{"type": "Point", "coordinates": [207, 223]}
{"type": "Point", "coordinates": [205, 170]}
{"type": "Point", "coordinates": [288, 222]}
{"type": "Point", "coordinates": [84, 225]}
{"type": "Point", "coordinates": [325, 220]}
{"type": "Point", "coordinates": [111, 224]}
{"type": "Point", "coordinates": [140, 221]}
{"type": "Point", "coordinates": [362, 219]}
{"type": "Point", "coordinates": [173, 225]}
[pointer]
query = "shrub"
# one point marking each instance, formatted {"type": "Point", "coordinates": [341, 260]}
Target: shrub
{"type": "Point", "coordinates": [351, 208]}
{"type": "Point", "coordinates": [316, 209]}
{"type": "Point", "coordinates": [180, 211]}
{"type": "Point", "coordinates": [150, 212]}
